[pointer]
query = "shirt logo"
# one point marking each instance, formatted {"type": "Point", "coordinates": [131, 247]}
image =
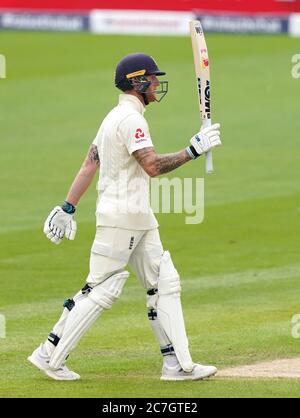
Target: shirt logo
{"type": "Point", "coordinates": [139, 134]}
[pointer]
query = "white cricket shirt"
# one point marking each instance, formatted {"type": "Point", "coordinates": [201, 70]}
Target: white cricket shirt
{"type": "Point", "coordinates": [123, 185]}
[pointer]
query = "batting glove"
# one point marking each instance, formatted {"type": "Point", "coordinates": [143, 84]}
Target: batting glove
{"type": "Point", "coordinates": [205, 140]}
{"type": "Point", "coordinates": [60, 224]}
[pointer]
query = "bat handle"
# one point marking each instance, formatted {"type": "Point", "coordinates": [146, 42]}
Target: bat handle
{"type": "Point", "coordinates": [209, 166]}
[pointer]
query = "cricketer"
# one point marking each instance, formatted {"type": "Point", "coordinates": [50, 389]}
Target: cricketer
{"type": "Point", "coordinates": [126, 229]}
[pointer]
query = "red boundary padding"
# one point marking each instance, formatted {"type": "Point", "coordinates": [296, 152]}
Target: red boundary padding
{"type": "Point", "coordinates": [246, 6]}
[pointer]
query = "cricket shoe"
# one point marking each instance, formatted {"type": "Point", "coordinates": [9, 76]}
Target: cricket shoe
{"type": "Point", "coordinates": [41, 360]}
{"type": "Point", "coordinates": [199, 372]}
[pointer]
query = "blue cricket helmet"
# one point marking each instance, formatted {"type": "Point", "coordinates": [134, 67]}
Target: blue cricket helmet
{"type": "Point", "coordinates": [135, 65]}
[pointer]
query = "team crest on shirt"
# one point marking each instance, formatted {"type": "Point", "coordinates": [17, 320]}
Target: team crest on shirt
{"type": "Point", "coordinates": [139, 133]}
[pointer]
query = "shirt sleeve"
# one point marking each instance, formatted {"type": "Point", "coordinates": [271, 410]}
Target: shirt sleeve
{"type": "Point", "coordinates": [135, 133]}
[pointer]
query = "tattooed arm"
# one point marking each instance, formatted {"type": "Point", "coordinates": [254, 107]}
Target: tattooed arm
{"type": "Point", "coordinates": [84, 176]}
{"type": "Point", "coordinates": [155, 164]}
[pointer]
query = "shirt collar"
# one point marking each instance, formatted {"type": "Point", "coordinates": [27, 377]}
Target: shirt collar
{"type": "Point", "coordinates": [133, 102]}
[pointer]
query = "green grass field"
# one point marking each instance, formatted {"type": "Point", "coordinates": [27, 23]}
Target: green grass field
{"type": "Point", "coordinates": [240, 269]}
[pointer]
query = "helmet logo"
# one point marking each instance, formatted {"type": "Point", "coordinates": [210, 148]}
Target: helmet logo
{"type": "Point", "coordinates": [139, 134]}
{"type": "Point", "coordinates": [136, 74]}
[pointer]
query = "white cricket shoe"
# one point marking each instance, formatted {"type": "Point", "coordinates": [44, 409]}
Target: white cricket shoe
{"type": "Point", "coordinates": [63, 373]}
{"type": "Point", "coordinates": [40, 360]}
{"type": "Point", "coordinates": [177, 373]}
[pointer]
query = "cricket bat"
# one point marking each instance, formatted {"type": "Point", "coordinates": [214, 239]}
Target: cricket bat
{"type": "Point", "coordinates": [203, 80]}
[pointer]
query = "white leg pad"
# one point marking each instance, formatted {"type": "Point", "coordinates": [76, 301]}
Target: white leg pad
{"type": "Point", "coordinates": [156, 326]}
{"type": "Point", "coordinates": [85, 313]}
{"type": "Point", "coordinates": [169, 311]}
{"type": "Point", "coordinates": [159, 333]}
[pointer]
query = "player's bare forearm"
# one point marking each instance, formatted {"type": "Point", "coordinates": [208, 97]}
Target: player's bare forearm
{"type": "Point", "coordinates": [85, 176]}
{"type": "Point", "coordinates": [168, 162]}
{"type": "Point", "coordinates": [155, 164]}
{"type": "Point", "coordinates": [79, 186]}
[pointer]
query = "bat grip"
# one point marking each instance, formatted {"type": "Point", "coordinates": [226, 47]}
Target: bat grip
{"type": "Point", "coordinates": [209, 166]}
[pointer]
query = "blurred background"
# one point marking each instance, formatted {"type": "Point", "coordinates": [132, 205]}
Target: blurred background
{"type": "Point", "coordinates": [168, 17]}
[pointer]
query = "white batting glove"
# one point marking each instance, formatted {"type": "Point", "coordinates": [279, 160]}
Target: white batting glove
{"type": "Point", "coordinates": [60, 224]}
{"type": "Point", "coordinates": [205, 140]}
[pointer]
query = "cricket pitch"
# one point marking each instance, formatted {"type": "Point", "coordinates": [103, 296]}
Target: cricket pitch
{"type": "Point", "coordinates": [284, 368]}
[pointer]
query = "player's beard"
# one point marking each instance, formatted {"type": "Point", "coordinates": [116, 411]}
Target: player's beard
{"type": "Point", "coordinates": [151, 96]}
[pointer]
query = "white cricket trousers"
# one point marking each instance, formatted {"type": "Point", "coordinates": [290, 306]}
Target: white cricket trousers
{"type": "Point", "coordinates": [114, 248]}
